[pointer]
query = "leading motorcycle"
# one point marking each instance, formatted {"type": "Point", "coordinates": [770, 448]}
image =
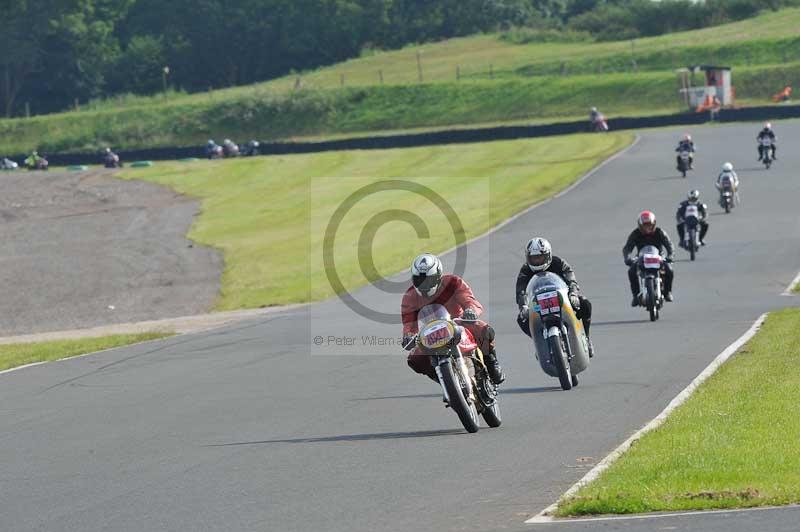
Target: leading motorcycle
{"type": "Point", "coordinates": [458, 362]}
{"type": "Point", "coordinates": [560, 341]}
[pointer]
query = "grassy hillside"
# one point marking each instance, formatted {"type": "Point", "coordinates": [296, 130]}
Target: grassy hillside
{"type": "Point", "coordinates": [525, 84]}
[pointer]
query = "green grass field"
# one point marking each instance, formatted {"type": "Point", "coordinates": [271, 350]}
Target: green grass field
{"type": "Point", "coordinates": [732, 444]}
{"type": "Point", "coordinates": [14, 355]}
{"type": "Point", "coordinates": [525, 87]}
{"type": "Point", "coordinates": [268, 214]}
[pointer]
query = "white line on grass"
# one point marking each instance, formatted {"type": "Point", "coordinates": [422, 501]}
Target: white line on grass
{"type": "Point", "coordinates": [550, 521]}
{"type": "Point", "coordinates": [545, 515]}
{"type": "Point", "coordinates": [788, 291]}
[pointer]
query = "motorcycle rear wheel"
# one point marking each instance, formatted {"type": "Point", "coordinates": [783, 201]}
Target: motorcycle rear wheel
{"type": "Point", "coordinates": [561, 362]}
{"type": "Point", "coordinates": [465, 410]}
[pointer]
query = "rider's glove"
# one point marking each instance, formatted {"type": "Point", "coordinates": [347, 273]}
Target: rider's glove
{"type": "Point", "coordinates": [669, 259]}
{"type": "Point", "coordinates": [523, 312]}
{"type": "Point", "coordinates": [469, 315]}
{"type": "Point", "coordinates": [628, 261]}
{"type": "Point", "coordinates": [576, 301]}
{"type": "Point", "coordinates": [409, 342]}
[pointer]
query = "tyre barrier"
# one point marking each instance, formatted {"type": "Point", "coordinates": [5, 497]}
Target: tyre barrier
{"type": "Point", "coordinates": [455, 136]}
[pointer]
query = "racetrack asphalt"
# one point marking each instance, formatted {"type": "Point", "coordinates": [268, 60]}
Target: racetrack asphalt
{"type": "Point", "coordinates": [252, 427]}
{"type": "Point", "coordinates": [83, 249]}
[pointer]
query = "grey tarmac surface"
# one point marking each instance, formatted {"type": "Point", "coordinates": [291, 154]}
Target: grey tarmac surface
{"type": "Point", "coordinates": [76, 244]}
{"type": "Point", "coordinates": [253, 427]}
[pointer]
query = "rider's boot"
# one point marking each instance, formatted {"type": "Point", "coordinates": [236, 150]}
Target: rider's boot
{"type": "Point", "coordinates": [635, 300]}
{"type": "Point", "coordinates": [493, 367]}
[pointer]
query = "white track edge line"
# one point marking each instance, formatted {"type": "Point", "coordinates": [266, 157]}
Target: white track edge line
{"type": "Point", "coordinates": [662, 515]}
{"type": "Point", "coordinates": [545, 515]}
{"type": "Point", "coordinates": [795, 281]}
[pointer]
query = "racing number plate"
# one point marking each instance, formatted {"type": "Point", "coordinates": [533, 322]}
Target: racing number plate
{"type": "Point", "coordinates": [692, 210]}
{"type": "Point", "coordinates": [652, 261]}
{"type": "Point", "coordinates": [436, 335]}
{"type": "Point", "coordinates": [548, 303]}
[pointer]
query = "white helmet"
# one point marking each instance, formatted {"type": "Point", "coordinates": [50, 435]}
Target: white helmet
{"type": "Point", "coordinates": [727, 167]}
{"type": "Point", "coordinates": [426, 274]}
{"type": "Point", "coordinates": [538, 254]}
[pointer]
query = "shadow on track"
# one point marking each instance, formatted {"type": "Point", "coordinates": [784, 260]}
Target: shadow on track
{"type": "Point", "coordinates": [618, 322]}
{"type": "Point", "coordinates": [352, 437]}
{"type": "Point", "coordinates": [415, 396]}
{"type": "Point", "coordinates": [666, 178]}
{"type": "Point", "coordinates": [540, 389]}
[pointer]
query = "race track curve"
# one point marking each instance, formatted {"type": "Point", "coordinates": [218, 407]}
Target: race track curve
{"type": "Point", "coordinates": [252, 428]}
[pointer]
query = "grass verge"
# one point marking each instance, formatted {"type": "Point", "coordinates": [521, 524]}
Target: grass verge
{"type": "Point", "coordinates": [267, 214]}
{"type": "Point", "coordinates": [733, 444]}
{"type": "Point", "coordinates": [15, 355]}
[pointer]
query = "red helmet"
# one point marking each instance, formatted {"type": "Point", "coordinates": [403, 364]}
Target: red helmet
{"type": "Point", "coordinates": [647, 222]}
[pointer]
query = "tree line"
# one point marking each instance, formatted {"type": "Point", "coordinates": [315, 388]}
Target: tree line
{"type": "Point", "coordinates": [56, 52]}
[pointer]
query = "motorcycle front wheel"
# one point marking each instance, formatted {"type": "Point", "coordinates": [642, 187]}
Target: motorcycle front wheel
{"type": "Point", "coordinates": [465, 410]}
{"type": "Point", "coordinates": [651, 300]}
{"type": "Point", "coordinates": [561, 362]}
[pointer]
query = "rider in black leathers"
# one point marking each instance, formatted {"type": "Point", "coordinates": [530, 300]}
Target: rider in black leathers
{"type": "Point", "coordinates": [647, 234]}
{"type": "Point", "coordinates": [693, 199]}
{"type": "Point", "coordinates": [766, 133]}
{"type": "Point", "coordinates": [539, 258]}
{"type": "Point", "coordinates": [685, 144]}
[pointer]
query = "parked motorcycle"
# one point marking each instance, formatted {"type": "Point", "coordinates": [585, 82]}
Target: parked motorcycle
{"type": "Point", "coordinates": [458, 362]}
{"type": "Point", "coordinates": [691, 235]}
{"type": "Point", "coordinates": [727, 196]}
{"type": "Point", "coordinates": [650, 266]}
{"type": "Point", "coordinates": [562, 347]}
{"type": "Point", "coordinates": [684, 160]}
{"type": "Point", "coordinates": [766, 151]}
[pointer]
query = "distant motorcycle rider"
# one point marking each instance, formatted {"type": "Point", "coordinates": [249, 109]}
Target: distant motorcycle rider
{"type": "Point", "coordinates": [727, 173]}
{"type": "Point", "coordinates": [211, 148]}
{"type": "Point", "coordinates": [647, 234]}
{"type": "Point", "coordinates": [539, 258]}
{"type": "Point", "coordinates": [251, 148]}
{"type": "Point", "coordinates": [229, 148]}
{"type": "Point", "coordinates": [34, 160]}
{"type": "Point", "coordinates": [686, 144]}
{"type": "Point", "coordinates": [110, 159]}
{"type": "Point", "coordinates": [692, 199]}
{"type": "Point", "coordinates": [766, 133]}
{"type": "Point", "coordinates": [431, 286]}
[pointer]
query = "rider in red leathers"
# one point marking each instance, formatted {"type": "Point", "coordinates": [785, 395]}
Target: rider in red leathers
{"type": "Point", "coordinates": [431, 286]}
